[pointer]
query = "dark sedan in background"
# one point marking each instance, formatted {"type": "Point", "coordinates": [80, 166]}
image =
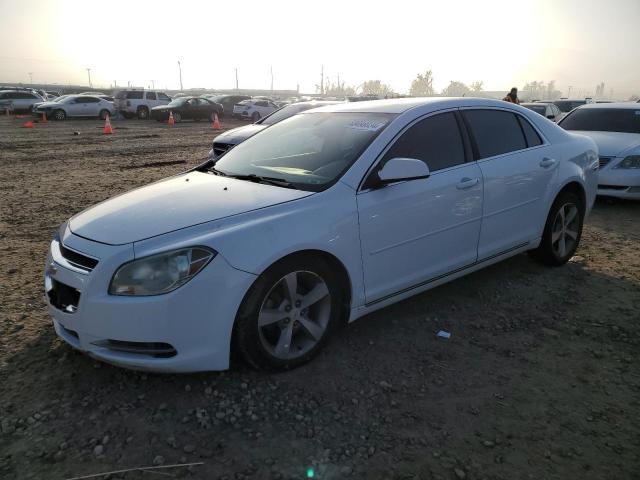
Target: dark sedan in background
{"type": "Point", "coordinates": [227, 101]}
{"type": "Point", "coordinates": [188, 108]}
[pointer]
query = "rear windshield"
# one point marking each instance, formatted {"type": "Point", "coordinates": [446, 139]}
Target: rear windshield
{"type": "Point", "coordinates": [284, 112]}
{"type": "Point", "coordinates": [625, 120]}
{"type": "Point", "coordinates": [537, 108]}
{"type": "Point", "coordinates": [568, 105]}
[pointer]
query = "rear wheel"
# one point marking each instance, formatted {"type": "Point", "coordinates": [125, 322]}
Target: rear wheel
{"type": "Point", "coordinates": [288, 314]}
{"type": "Point", "coordinates": [177, 117]}
{"type": "Point", "coordinates": [212, 117]}
{"type": "Point", "coordinates": [562, 231]}
{"type": "Point", "coordinates": [143, 113]}
{"type": "Point", "coordinates": [255, 116]}
{"type": "Point", "coordinates": [59, 115]}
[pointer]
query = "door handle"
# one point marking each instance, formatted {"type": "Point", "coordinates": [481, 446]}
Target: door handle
{"type": "Point", "coordinates": [547, 162]}
{"type": "Point", "coordinates": [467, 182]}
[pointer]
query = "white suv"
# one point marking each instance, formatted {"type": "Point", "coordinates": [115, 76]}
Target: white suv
{"type": "Point", "coordinates": [138, 103]}
{"type": "Point", "coordinates": [18, 101]}
{"type": "Point", "coordinates": [254, 109]}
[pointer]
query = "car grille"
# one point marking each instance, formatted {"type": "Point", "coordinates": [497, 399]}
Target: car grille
{"type": "Point", "coordinates": [604, 161]}
{"type": "Point", "coordinates": [63, 297]}
{"type": "Point", "coordinates": [78, 260]}
{"type": "Point", "coordinates": [221, 148]}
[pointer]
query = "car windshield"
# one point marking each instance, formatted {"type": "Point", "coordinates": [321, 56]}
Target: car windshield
{"type": "Point", "coordinates": [626, 120]}
{"type": "Point", "coordinates": [283, 113]}
{"type": "Point", "coordinates": [537, 108]}
{"type": "Point", "coordinates": [310, 151]}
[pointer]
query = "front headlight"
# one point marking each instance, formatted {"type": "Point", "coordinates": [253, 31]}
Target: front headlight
{"type": "Point", "coordinates": [160, 273]}
{"type": "Point", "coordinates": [632, 161]}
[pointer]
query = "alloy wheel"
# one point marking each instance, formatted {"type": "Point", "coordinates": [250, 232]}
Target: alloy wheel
{"type": "Point", "coordinates": [295, 315]}
{"type": "Point", "coordinates": [564, 234]}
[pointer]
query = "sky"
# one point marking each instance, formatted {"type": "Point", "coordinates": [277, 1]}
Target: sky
{"type": "Point", "coordinates": [502, 43]}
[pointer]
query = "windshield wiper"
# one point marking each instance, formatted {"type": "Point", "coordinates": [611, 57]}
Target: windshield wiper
{"type": "Point", "coordinates": [279, 182]}
{"type": "Point", "coordinates": [215, 171]}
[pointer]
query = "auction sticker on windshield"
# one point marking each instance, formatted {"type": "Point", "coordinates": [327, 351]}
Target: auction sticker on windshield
{"type": "Point", "coordinates": [366, 125]}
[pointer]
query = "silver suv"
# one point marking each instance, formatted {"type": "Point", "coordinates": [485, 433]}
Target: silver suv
{"type": "Point", "coordinates": [18, 101]}
{"type": "Point", "coordinates": [138, 103]}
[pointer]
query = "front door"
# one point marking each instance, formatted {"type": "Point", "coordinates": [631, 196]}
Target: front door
{"type": "Point", "coordinates": [415, 231]}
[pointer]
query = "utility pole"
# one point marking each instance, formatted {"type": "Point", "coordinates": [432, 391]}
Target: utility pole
{"type": "Point", "coordinates": [115, 84]}
{"type": "Point", "coordinates": [271, 79]}
{"type": "Point", "coordinates": [180, 69]}
{"type": "Point", "coordinates": [570, 87]}
{"type": "Point", "coordinates": [237, 79]}
{"type": "Point", "coordinates": [89, 75]}
{"type": "Point", "coordinates": [321, 79]}
{"type": "Point", "coordinates": [31, 78]}
{"type": "Point", "coordinates": [153, 84]}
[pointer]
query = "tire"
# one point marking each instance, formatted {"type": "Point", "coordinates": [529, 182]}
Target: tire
{"type": "Point", "coordinates": [272, 332]}
{"type": "Point", "coordinates": [103, 114]}
{"type": "Point", "coordinates": [143, 113]}
{"type": "Point", "coordinates": [562, 231]}
{"type": "Point", "coordinates": [255, 116]}
{"type": "Point", "coordinates": [212, 117]}
{"type": "Point", "coordinates": [59, 115]}
{"type": "Point", "coordinates": [177, 118]}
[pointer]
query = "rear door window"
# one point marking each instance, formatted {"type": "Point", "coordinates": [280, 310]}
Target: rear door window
{"type": "Point", "coordinates": [134, 95]}
{"type": "Point", "coordinates": [151, 95]}
{"type": "Point", "coordinates": [435, 140]}
{"type": "Point", "coordinates": [496, 132]}
{"type": "Point", "coordinates": [163, 96]}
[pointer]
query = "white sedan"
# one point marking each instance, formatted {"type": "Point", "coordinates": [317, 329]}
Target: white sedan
{"type": "Point", "coordinates": [615, 127]}
{"type": "Point", "coordinates": [75, 106]}
{"type": "Point", "coordinates": [254, 109]}
{"type": "Point", "coordinates": [317, 220]}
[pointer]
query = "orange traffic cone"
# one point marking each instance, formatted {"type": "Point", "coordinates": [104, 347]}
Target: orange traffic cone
{"type": "Point", "coordinates": [28, 124]}
{"type": "Point", "coordinates": [107, 126]}
{"type": "Point", "coordinates": [171, 121]}
{"type": "Point", "coordinates": [44, 117]}
{"type": "Point", "coordinates": [216, 122]}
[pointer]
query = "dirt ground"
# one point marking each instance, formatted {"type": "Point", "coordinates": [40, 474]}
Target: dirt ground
{"type": "Point", "coordinates": [539, 380]}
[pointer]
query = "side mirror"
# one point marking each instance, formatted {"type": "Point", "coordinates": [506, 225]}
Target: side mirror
{"type": "Point", "coordinates": [551, 117]}
{"type": "Point", "coordinates": [401, 169]}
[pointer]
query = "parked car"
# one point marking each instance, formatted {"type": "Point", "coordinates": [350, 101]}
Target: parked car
{"type": "Point", "coordinates": [188, 108]}
{"type": "Point", "coordinates": [227, 101]}
{"type": "Point", "coordinates": [546, 109]}
{"type": "Point", "coordinates": [18, 101]}
{"type": "Point", "coordinates": [75, 106]}
{"type": "Point", "coordinates": [229, 139]}
{"type": "Point", "coordinates": [566, 106]}
{"type": "Point", "coordinates": [138, 103]}
{"type": "Point", "coordinates": [254, 109]}
{"type": "Point", "coordinates": [615, 127]}
{"type": "Point", "coordinates": [319, 219]}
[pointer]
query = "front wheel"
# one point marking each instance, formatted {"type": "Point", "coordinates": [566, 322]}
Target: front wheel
{"type": "Point", "coordinates": [143, 113]}
{"type": "Point", "coordinates": [288, 314]}
{"type": "Point", "coordinates": [562, 231]}
{"type": "Point", "coordinates": [59, 115]}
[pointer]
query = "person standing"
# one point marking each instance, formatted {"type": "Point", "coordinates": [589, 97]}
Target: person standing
{"type": "Point", "coordinates": [512, 96]}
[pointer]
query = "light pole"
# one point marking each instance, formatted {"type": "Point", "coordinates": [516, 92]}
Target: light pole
{"type": "Point", "coordinates": [570, 87]}
{"type": "Point", "coordinates": [31, 78]}
{"type": "Point", "coordinates": [236, 79]}
{"type": "Point", "coordinates": [89, 75]}
{"type": "Point", "coordinates": [180, 70]}
{"type": "Point", "coordinates": [271, 80]}
{"type": "Point", "coordinates": [153, 84]}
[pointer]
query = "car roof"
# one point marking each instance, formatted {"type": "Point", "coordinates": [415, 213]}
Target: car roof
{"type": "Point", "coordinates": [400, 105]}
{"type": "Point", "coordinates": [609, 106]}
{"type": "Point", "coordinates": [526, 104]}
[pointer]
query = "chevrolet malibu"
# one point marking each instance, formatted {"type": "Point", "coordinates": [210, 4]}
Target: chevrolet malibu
{"type": "Point", "coordinates": [317, 220]}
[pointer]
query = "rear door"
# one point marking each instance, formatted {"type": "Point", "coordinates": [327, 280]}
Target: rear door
{"type": "Point", "coordinates": [415, 231]}
{"type": "Point", "coordinates": [91, 107]}
{"type": "Point", "coordinates": [75, 107]}
{"type": "Point", "coordinates": [151, 99]}
{"type": "Point", "coordinates": [518, 169]}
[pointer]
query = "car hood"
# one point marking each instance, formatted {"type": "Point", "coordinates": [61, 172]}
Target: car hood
{"type": "Point", "coordinates": [46, 104]}
{"type": "Point", "coordinates": [240, 134]}
{"type": "Point", "coordinates": [612, 144]}
{"type": "Point", "coordinates": [175, 203]}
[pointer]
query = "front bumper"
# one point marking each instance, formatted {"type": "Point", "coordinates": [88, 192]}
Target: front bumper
{"type": "Point", "coordinates": [619, 182]}
{"type": "Point", "coordinates": [186, 330]}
